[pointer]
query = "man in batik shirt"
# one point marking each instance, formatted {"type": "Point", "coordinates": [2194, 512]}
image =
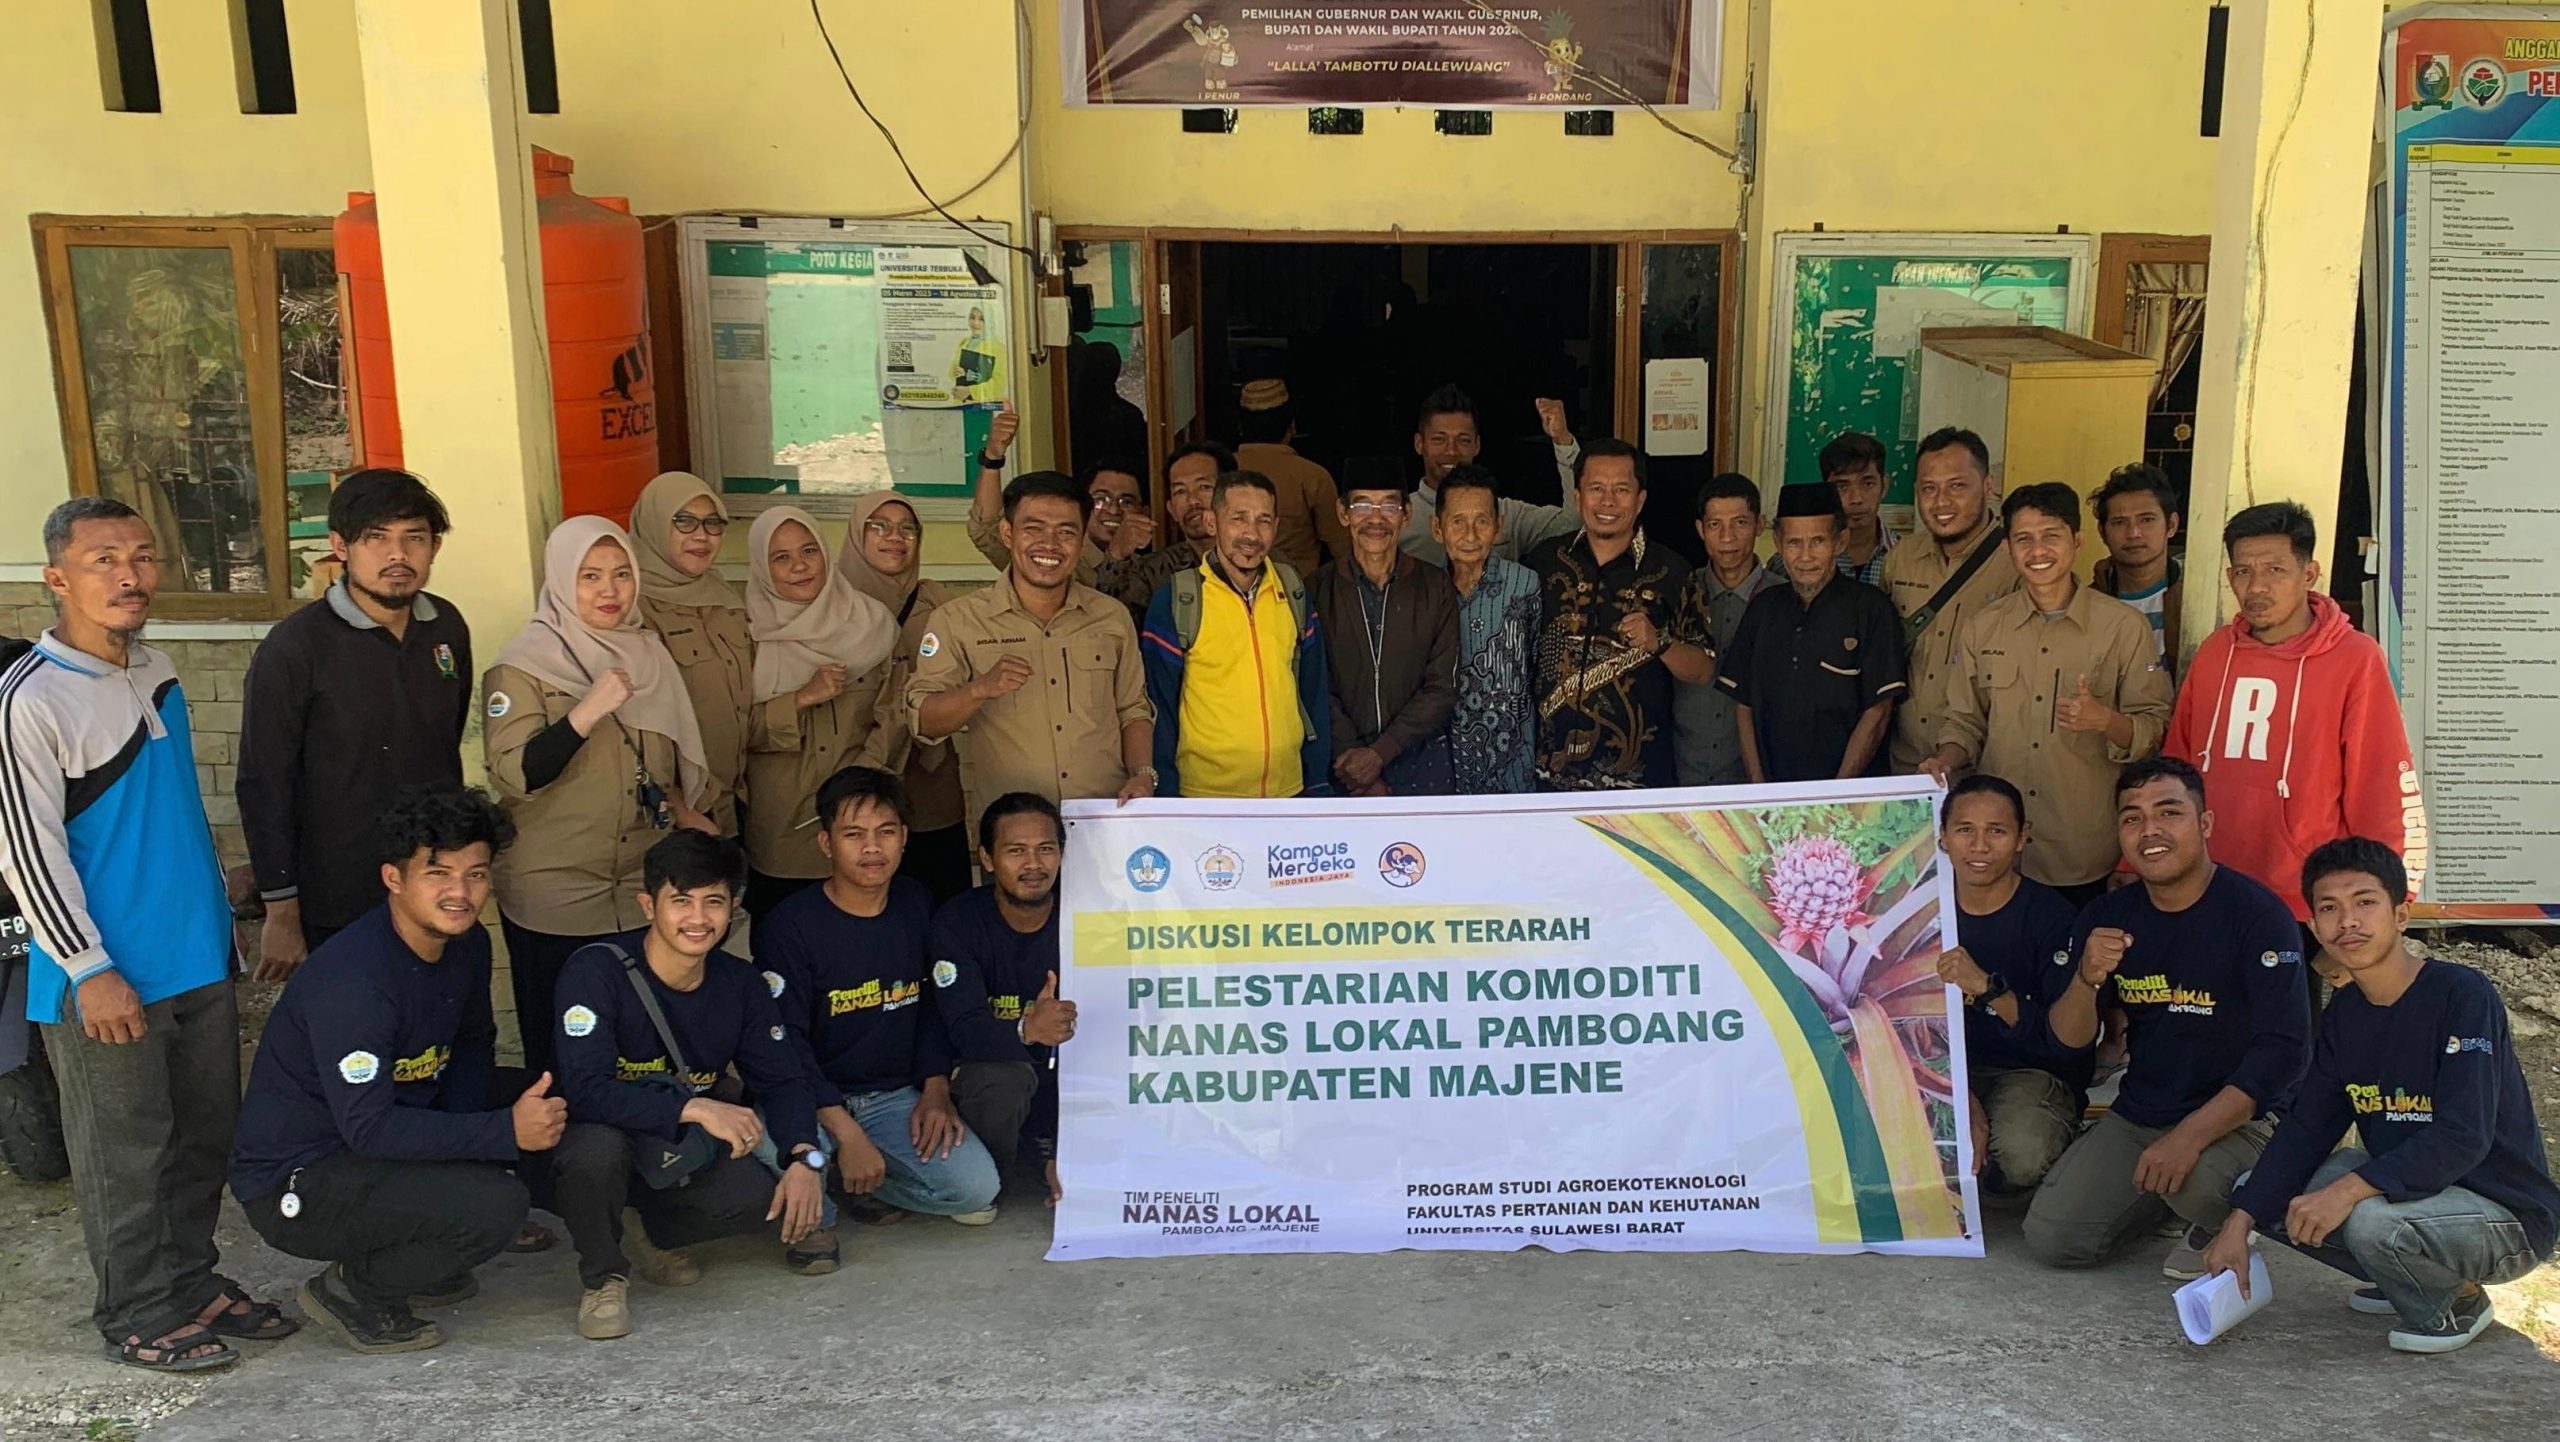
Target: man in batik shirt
{"type": "Point", "coordinates": [1493, 731]}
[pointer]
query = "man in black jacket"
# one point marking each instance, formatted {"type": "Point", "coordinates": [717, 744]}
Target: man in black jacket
{"type": "Point", "coordinates": [1391, 643]}
{"type": "Point", "coordinates": [995, 973]}
{"type": "Point", "coordinates": [350, 701]}
{"type": "Point", "coordinates": [371, 1137]}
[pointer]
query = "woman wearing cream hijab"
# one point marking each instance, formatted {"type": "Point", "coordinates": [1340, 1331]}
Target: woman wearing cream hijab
{"type": "Point", "coordinates": [883, 555]}
{"type": "Point", "coordinates": [825, 648]}
{"type": "Point", "coordinates": [594, 751]}
{"type": "Point", "coordinates": [676, 529]}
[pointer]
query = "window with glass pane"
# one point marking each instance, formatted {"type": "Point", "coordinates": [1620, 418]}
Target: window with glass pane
{"type": "Point", "coordinates": [318, 442]}
{"type": "Point", "coordinates": [168, 401]}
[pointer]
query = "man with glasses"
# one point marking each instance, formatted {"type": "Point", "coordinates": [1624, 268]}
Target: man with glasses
{"type": "Point", "coordinates": [1390, 627]}
{"type": "Point", "coordinates": [1039, 670]}
{"type": "Point", "coordinates": [1120, 527]}
{"type": "Point", "coordinates": [1190, 477]}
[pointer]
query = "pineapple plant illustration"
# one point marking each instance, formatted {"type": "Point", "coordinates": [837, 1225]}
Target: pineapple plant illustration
{"type": "Point", "coordinates": [1839, 905]}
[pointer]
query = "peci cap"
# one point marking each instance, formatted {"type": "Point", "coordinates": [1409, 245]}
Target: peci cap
{"type": "Point", "coordinates": [1816, 498]}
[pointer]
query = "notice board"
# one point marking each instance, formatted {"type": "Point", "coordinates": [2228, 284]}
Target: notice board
{"type": "Point", "coordinates": [1844, 353]}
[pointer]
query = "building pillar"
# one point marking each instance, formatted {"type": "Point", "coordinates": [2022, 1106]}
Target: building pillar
{"type": "Point", "coordinates": [2288, 240]}
{"type": "Point", "coordinates": [462, 271]}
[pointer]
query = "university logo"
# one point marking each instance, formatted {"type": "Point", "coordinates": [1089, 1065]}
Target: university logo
{"type": "Point", "coordinates": [1221, 869]}
{"type": "Point", "coordinates": [2434, 83]}
{"type": "Point", "coordinates": [1148, 869]}
{"type": "Point", "coordinates": [444, 660]}
{"type": "Point", "coordinates": [2484, 83]}
{"type": "Point", "coordinates": [2456, 1045]}
{"type": "Point", "coordinates": [1401, 864]}
{"type": "Point", "coordinates": [2272, 959]}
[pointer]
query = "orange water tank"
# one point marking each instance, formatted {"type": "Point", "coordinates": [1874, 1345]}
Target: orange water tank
{"type": "Point", "coordinates": [595, 303]}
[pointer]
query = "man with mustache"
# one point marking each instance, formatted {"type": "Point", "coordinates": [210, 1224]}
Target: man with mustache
{"type": "Point", "coordinates": [1190, 475]}
{"type": "Point", "coordinates": [1959, 567]}
{"type": "Point", "coordinates": [1391, 642]}
{"type": "Point", "coordinates": [349, 702]}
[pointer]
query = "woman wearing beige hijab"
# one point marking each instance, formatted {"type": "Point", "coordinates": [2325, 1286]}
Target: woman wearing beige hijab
{"type": "Point", "coordinates": [676, 527]}
{"type": "Point", "coordinates": [883, 555]}
{"type": "Point", "coordinates": [826, 648]}
{"type": "Point", "coordinates": [594, 750]}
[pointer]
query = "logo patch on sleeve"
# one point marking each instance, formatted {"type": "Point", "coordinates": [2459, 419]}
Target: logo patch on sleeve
{"type": "Point", "coordinates": [359, 1067]}
{"type": "Point", "coordinates": [2456, 1045]}
{"type": "Point", "coordinates": [944, 973]}
{"type": "Point", "coordinates": [773, 983]}
{"type": "Point", "coordinates": [578, 1021]}
{"type": "Point", "coordinates": [929, 647]}
{"type": "Point", "coordinates": [2280, 958]}
{"type": "Point", "coordinates": [776, 1033]}
{"type": "Point", "coordinates": [2062, 958]}
{"type": "Point", "coordinates": [500, 704]}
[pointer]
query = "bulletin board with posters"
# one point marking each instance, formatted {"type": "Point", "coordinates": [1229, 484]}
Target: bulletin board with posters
{"type": "Point", "coordinates": [1845, 332]}
{"type": "Point", "coordinates": [2467, 231]}
{"type": "Point", "coordinates": [825, 359]}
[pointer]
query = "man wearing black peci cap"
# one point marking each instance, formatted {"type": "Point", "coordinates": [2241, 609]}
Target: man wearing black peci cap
{"type": "Point", "coordinates": [1815, 668]}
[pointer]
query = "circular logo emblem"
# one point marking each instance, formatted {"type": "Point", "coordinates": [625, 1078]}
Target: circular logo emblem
{"type": "Point", "coordinates": [773, 983]}
{"type": "Point", "coordinates": [1149, 869]}
{"type": "Point", "coordinates": [1401, 864]}
{"type": "Point", "coordinates": [1221, 869]}
{"type": "Point", "coordinates": [2484, 82]}
{"type": "Point", "coordinates": [929, 647]}
{"type": "Point", "coordinates": [776, 1033]}
{"type": "Point", "coordinates": [2452, 1045]}
{"type": "Point", "coordinates": [500, 704]}
{"type": "Point", "coordinates": [578, 1021]}
{"type": "Point", "coordinates": [359, 1067]}
{"type": "Point", "coordinates": [2062, 958]}
{"type": "Point", "coordinates": [944, 973]}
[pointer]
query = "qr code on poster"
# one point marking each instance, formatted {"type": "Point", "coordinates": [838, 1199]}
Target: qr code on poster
{"type": "Point", "coordinates": [902, 355]}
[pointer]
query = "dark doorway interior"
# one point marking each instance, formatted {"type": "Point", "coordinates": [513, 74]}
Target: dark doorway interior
{"type": "Point", "coordinates": [1362, 332]}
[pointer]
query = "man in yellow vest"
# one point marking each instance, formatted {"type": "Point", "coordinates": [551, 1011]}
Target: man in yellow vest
{"type": "Point", "coordinates": [1235, 666]}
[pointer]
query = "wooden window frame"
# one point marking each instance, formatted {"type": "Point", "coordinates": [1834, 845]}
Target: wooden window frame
{"type": "Point", "coordinates": [253, 243]}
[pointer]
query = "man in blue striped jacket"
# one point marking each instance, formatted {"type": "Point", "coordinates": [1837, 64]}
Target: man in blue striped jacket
{"type": "Point", "coordinates": [103, 839]}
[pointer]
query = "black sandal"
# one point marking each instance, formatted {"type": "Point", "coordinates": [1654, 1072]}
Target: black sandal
{"type": "Point", "coordinates": [261, 1322]}
{"type": "Point", "coordinates": [170, 1352]}
{"type": "Point", "coordinates": [532, 1237]}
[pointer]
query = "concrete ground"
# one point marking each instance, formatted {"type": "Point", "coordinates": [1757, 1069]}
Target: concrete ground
{"type": "Point", "coordinates": [933, 1329]}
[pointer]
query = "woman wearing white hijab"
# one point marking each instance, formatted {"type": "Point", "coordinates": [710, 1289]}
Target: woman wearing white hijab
{"type": "Point", "coordinates": [882, 555]}
{"type": "Point", "coordinates": [827, 648]}
{"type": "Point", "coordinates": [676, 528]}
{"type": "Point", "coordinates": [594, 751]}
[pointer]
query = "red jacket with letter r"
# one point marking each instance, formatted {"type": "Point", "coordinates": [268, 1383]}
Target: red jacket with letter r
{"type": "Point", "coordinates": [2300, 743]}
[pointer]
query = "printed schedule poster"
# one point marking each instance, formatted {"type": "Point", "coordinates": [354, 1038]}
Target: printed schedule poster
{"type": "Point", "coordinates": [941, 333]}
{"type": "Point", "coordinates": [1700, 1021]}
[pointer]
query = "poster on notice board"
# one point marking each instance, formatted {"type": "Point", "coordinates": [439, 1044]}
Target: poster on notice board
{"type": "Point", "coordinates": [1590, 55]}
{"type": "Point", "coordinates": [941, 333]}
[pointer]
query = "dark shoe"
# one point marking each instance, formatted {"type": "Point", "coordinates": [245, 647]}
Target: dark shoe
{"type": "Point", "coordinates": [871, 1213]}
{"type": "Point", "coordinates": [2471, 1317]}
{"type": "Point", "coordinates": [814, 1255]}
{"type": "Point", "coordinates": [533, 1237]}
{"type": "Point", "coordinates": [2371, 1302]}
{"type": "Point", "coordinates": [454, 1295]}
{"type": "Point", "coordinates": [368, 1329]}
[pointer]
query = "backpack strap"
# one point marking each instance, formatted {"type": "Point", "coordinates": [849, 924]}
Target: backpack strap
{"type": "Point", "coordinates": [1186, 607]}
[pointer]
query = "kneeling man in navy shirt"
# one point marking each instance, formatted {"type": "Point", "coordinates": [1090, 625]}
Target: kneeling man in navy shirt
{"type": "Point", "coordinates": [2450, 1189]}
{"type": "Point", "coordinates": [370, 1138]}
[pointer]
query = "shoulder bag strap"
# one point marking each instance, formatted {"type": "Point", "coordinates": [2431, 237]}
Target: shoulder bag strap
{"type": "Point", "coordinates": [657, 1017]}
{"type": "Point", "coordinates": [1918, 621]}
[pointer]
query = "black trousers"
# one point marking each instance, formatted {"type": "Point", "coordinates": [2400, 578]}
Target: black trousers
{"type": "Point", "coordinates": [399, 1228]}
{"type": "Point", "coordinates": [534, 959]}
{"type": "Point", "coordinates": [592, 1181]}
{"type": "Point", "coordinates": [998, 1100]}
{"type": "Point", "coordinates": [941, 860]}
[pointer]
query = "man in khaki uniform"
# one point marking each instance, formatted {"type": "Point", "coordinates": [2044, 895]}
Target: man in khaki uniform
{"type": "Point", "coordinates": [1040, 671]}
{"type": "Point", "coordinates": [1309, 502]}
{"type": "Point", "coordinates": [1952, 488]}
{"type": "Point", "coordinates": [2054, 689]}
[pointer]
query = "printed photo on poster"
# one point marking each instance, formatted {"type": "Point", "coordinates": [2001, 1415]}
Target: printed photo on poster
{"type": "Point", "coordinates": [942, 340]}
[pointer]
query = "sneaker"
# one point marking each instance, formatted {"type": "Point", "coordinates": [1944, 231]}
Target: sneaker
{"type": "Point", "coordinates": [449, 1296]}
{"type": "Point", "coordinates": [604, 1312]}
{"type": "Point", "coordinates": [2371, 1302]}
{"type": "Point", "coordinates": [979, 1218]}
{"type": "Point", "coordinates": [362, 1326]}
{"type": "Point", "coordinates": [2471, 1317]}
{"type": "Point", "coordinates": [658, 1266]}
{"type": "Point", "coordinates": [2185, 1261]}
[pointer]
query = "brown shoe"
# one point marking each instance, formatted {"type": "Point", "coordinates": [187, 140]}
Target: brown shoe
{"type": "Point", "coordinates": [604, 1313]}
{"type": "Point", "coordinates": [814, 1255]}
{"type": "Point", "coordinates": [658, 1266]}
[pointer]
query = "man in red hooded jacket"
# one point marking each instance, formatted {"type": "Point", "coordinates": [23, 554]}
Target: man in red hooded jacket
{"type": "Point", "coordinates": [2289, 712]}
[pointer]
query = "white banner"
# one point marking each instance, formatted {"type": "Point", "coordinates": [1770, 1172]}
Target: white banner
{"type": "Point", "coordinates": [1671, 1020]}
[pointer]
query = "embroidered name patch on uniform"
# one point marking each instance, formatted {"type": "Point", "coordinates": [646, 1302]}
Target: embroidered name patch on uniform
{"type": "Point", "coordinates": [578, 1021]}
{"type": "Point", "coordinates": [359, 1067]}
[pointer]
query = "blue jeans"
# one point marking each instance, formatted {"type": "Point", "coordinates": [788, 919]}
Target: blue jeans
{"type": "Point", "coordinates": [2421, 1253]}
{"type": "Point", "coordinates": [964, 1181]}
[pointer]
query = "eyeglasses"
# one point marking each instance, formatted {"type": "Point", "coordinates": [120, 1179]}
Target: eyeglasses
{"type": "Point", "coordinates": [1376, 508]}
{"type": "Point", "coordinates": [687, 524]}
{"type": "Point", "coordinates": [903, 530]}
{"type": "Point", "coordinates": [1105, 501]}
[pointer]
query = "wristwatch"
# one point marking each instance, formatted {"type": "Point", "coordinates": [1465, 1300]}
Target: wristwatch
{"type": "Point", "coordinates": [990, 463]}
{"type": "Point", "coordinates": [1994, 989]}
{"type": "Point", "coordinates": [813, 1158]}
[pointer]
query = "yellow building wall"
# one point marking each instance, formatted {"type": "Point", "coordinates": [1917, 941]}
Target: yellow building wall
{"type": "Point", "coordinates": [1875, 114]}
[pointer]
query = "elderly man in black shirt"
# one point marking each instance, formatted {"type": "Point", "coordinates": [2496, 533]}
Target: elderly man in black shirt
{"type": "Point", "coordinates": [1816, 665]}
{"type": "Point", "coordinates": [349, 702]}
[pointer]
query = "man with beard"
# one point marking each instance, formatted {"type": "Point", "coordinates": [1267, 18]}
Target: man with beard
{"type": "Point", "coordinates": [995, 975]}
{"type": "Point", "coordinates": [1189, 478]}
{"type": "Point", "coordinates": [1040, 670]}
{"type": "Point", "coordinates": [2208, 969]}
{"type": "Point", "coordinates": [1962, 567]}
{"type": "Point", "coordinates": [1391, 641]}
{"type": "Point", "coordinates": [349, 702]}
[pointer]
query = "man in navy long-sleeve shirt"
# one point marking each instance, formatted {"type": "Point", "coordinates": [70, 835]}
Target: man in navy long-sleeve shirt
{"type": "Point", "coordinates": [846, 960]}
{"type": "Point", "coordinates": [621, 1084]}
{"type": "Point", "coordinates": [368, 1138]}
{"type": "Point", "coordinates": [2207, 965]}
{"type": "Point", "coordinates": [995, 970]}
{"type": "Point", "coordinates": [2451, 1188]}
{"type": "Point", "coordinates": [2012, 960]}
